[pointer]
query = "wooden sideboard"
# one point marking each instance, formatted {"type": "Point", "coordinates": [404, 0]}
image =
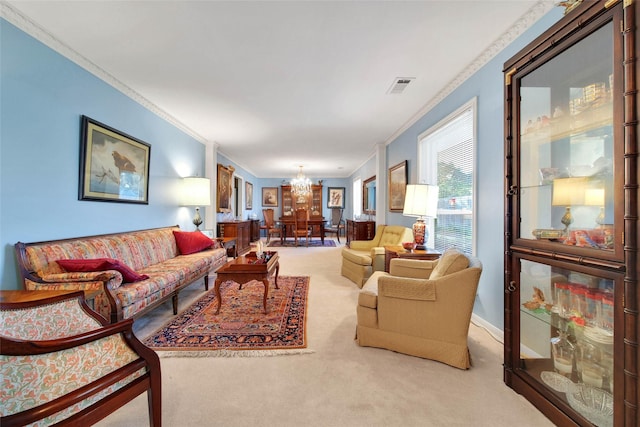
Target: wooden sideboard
{"type": "Point", "coordinates": [241, 231]}
{"type": "Point", "coordinates": [255, 230]}
{"type": "Point", "coordinates": [360, 230]}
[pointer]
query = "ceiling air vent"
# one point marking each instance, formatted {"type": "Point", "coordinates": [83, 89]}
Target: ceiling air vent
{"type": "Point", "coordinates": [399, 84]}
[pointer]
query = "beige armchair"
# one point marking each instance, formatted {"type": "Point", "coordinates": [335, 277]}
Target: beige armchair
{"type": "Point", "coordinates": [421, 308]}
{"type": "Point", "coordinates": [363, 257]}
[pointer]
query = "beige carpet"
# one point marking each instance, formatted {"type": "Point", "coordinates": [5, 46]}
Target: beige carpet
{"type": "Point", "coordinates": [341, 384]}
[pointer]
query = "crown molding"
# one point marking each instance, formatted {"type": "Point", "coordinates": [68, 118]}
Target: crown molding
{"type": "Point", "coordinates": [520, 26]}
{"type": "Point", "coordinates": [25, 24]}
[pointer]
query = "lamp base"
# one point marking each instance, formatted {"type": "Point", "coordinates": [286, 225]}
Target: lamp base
{"type": "Point", "coordinates": [567, 218]}
{"type": "Point", "coordinates": [600, 218]}
{"type": "Point", "coordinates": [197, 219]}
{"type": "Point", "coordinates": [420, 234]}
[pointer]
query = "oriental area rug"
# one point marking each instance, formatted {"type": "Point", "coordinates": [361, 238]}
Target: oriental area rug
{"type": "Point", "coordinates": [241, 329]}
{"type": "Point", "coordinates": [328, 243]}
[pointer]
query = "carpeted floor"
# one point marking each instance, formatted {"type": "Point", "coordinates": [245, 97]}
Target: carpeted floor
{"type": "Point", "coordinates": [339, 384]}
{"type": "Point", "coordinates": [241, 329]}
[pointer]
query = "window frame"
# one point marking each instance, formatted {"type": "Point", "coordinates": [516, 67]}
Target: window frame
{"type": "Point", "coordinates": [428, 175]}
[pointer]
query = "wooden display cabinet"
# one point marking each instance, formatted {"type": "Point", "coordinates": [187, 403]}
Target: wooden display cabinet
{"type": "Point", "coordinates": [571, 218]}
{"type": "Point", "coordinates": [312, 202]}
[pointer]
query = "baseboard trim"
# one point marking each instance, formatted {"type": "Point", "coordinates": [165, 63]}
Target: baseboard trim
{"type": "Point", "coordinates": [497, 334]}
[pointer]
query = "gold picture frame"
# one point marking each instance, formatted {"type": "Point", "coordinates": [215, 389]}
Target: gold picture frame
{"type": "Point", "coordinates": [224, 189]}
{"type": "Point", "coordinates": [397, 186]}
{"type": "Point", "coordinates": [369, 196]}
{"type": "Point", "coordinates": [248, 195]}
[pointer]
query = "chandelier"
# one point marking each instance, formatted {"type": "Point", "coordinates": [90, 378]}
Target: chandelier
{"type": "Point", "coordinates": [301, 185]}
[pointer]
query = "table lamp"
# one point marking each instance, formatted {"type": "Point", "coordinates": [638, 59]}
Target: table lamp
{"type": "Point", "coordinates": [568, 192]}
{"type": "Point", "coordinates": [595, 197]}
{"type": "Point", "coordinates": [421, 201]}
{"type": "Point", "coordinates": [196, 192]}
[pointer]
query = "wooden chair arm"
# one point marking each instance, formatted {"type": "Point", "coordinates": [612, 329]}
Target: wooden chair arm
{"type": "Point", "coordinates": [18, 347]}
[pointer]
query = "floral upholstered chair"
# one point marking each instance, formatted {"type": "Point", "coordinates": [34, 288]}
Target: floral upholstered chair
{"type": "Point", "coordinates": [60, 362]}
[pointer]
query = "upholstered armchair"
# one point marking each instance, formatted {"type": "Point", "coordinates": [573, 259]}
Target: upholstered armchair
{"type": "Point", "coordinates": [421, 308]}
{"type": "Point", "coordinates": [60, 362]}
{"type": "Point", "coordinates": [363, 257]}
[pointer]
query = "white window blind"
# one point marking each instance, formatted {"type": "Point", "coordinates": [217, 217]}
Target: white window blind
{"type": "Point", "coordinates": [447, 158]}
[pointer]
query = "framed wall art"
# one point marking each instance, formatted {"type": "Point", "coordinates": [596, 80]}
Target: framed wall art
{"type": "Point", "coordinates": [248, 195]}
{"type": "Point", "coordinates": [270, 197]}
{"type": "Point", "coordinates": [335, 197]}
{"type": "Point", "coordinates": [114, 167]}
{"type": "Point", "coordinates": [224, 189]}
{"type": "Point", "coordinates": [369, 196]}
{"type": "Point", "coordinates": [397, 186]}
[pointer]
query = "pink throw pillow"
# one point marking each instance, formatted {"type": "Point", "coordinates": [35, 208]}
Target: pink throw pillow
{"type": "Point", "coordinates": [102, 264]}
{"type": "Point", "coordinates": [190, 242]}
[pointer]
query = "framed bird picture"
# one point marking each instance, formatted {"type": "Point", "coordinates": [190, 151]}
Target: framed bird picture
{"type": "Point", "coordinates": [114, 167]}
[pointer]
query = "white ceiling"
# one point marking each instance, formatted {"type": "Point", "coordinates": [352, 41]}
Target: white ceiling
{"type": "Point", "coordinates": [282, 84]}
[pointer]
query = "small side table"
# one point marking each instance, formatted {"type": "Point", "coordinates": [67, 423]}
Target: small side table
{"type": "Point", "coordinates": [228, 243]}
{"type": "Point", "coordinates": [391, 252]}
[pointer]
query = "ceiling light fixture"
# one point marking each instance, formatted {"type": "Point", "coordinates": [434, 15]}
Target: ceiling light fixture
{"type": "Point", "coordinates": [301, 185]}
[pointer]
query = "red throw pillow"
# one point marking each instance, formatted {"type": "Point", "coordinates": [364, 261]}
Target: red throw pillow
{"type": "Point", "coordinates": [102, 264]}
{"type": "Point", "coordinates": [190, 242]}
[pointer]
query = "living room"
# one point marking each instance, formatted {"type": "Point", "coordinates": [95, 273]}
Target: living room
{"type": "Point", "coordinates": [44, 94]}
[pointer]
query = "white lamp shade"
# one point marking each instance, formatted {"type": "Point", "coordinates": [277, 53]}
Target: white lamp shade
{"type": "Point", "coordinates": [569, 191]}
{"type": "Point", "coordinates": [196, 191]}
{"type": "Point", "coordinates": [421, 200]}
{"type": "Point", "coordinates": [594, 197]}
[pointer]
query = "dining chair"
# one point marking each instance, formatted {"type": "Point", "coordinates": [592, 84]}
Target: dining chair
{"type": "Point", "coordinates": [336, 224]}
{"type": "Point", "coordinates": [270, 226]}
{"type": "Point", "coordinates": [301, 226]}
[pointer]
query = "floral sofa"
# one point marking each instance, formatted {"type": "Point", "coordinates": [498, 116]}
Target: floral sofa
{"type": "Point", "coordinates": [125, 274]}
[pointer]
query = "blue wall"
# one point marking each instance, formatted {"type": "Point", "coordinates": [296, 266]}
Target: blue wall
{"type": "Point", "coordinates": [42, 96]}
{"type": "Point", "coordinates": [487, 85]}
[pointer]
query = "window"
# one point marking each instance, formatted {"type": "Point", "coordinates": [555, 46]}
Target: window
{"type": "Point", "coordinates": [357, 198]}
{"type": "Point", "coordinates": [446, 154]}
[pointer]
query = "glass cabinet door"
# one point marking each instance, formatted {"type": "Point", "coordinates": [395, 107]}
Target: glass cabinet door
{"type": "Point", "coordinates": [566, 174]}
{"type": "Point", "coordinates": [567, 334]}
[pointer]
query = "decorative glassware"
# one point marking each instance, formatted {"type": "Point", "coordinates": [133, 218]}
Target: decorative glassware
{"type": "Point", "coordinates": [588, 358]}
{"type": "Point", "coordinates": [563, 354]}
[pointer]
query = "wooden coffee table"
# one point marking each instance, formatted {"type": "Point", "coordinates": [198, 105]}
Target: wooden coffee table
{"type": "Point", "coordinates": [391, 252]}
{"type": "Point", "coordinates": [246, 268]}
